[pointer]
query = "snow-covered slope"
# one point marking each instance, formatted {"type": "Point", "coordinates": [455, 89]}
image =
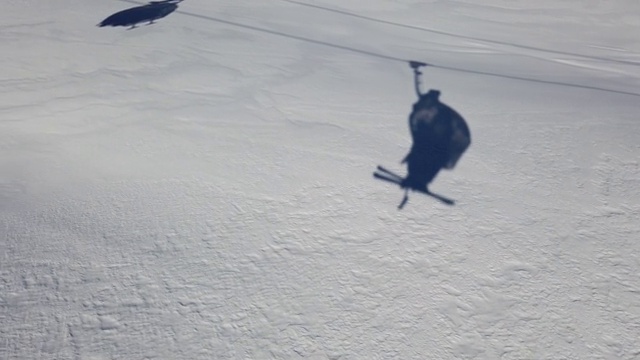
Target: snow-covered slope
{"type": "Point", "coordinates": [201, 188]}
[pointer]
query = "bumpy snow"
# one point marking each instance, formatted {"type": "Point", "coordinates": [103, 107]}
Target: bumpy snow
{"type": "Point", "coordinates": [201, 188]}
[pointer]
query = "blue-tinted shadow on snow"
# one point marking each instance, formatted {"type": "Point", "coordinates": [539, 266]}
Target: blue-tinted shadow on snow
{"type": "Point", "coordinates": [146, 13]}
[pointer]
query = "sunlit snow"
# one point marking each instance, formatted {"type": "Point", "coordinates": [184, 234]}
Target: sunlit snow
{"type": "Point", "coordinates": [201, 188]}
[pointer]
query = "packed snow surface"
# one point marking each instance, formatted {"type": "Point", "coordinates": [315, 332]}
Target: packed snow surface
{"type": "Point", "coordinates": [201, 188]}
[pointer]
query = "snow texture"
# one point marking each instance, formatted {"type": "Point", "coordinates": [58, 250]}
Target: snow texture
{"type": "Point", "coordinates": [201, 188]}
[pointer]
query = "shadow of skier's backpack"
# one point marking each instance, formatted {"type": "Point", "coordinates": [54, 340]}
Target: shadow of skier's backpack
{"type": "Point", "coordinates": [439, 127]}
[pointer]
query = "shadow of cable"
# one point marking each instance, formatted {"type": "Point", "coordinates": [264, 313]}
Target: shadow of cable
{"type": "Point", "coordinates": [388, 57]}
{"type": "Point", "coordinates": [489, 41]}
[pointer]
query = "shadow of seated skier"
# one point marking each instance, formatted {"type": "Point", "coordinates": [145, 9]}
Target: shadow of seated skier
{"type": "Point", "coordinates": [431, 131]}
{"type": "Point", "coordinates": [439, 138]}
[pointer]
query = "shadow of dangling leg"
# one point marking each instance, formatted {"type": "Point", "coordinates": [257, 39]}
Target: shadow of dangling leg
{"type": "Point", "coordinates": [405, 199]}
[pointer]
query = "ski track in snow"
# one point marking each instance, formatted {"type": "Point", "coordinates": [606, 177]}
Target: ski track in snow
{"type": "Point", "coordinates": [198, 190]}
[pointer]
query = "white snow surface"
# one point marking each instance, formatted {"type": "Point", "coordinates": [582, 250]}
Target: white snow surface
{"type": "Point", "coordinates": [201, 188]}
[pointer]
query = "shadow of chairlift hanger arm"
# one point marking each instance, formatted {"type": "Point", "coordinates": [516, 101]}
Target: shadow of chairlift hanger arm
{"type": "Point", "coordinates": [416, 65]}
